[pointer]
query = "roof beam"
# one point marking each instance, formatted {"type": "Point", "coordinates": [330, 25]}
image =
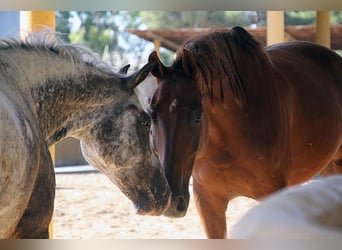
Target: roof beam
{"type": "Point", "coordinates": [167, 42]}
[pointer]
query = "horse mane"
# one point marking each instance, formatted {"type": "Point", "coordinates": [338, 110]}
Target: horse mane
{"type": "Point", "coordinates": [47, 41]}
{"type": "Point", "coordinates": [217, 54]}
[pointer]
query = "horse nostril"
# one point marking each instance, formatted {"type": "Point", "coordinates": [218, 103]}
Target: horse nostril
{"type": "Point", "coordinates": [181, 204]}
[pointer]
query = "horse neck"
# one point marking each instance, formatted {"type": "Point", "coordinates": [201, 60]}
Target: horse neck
{"type": "Point", "coordinates": [265, 111]}
{"type": "Point", "coordinates": [69, 102]}
{"type": "Point", "coordinates": [58, 90]}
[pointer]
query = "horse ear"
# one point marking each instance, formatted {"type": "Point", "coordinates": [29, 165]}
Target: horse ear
{"type": "Point", "coordinates": [124, 69]}
{"type": "Point", "coordinates": [247, 54]}
{"type": "Point", "coordinates": [158, 69]}
{"type": "Point", "coordinates": [245, 41]}
{"type": "Point", "coordinates": [189, 64]}
{"type": "Point", "coordinates": [134, 79]}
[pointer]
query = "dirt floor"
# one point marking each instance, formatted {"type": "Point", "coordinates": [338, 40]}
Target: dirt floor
{"type": "Point", "coordinates": [89, 206]}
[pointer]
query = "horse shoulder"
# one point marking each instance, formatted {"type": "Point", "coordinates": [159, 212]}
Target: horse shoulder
{"type": "Point", "coordinates": [18, 164]}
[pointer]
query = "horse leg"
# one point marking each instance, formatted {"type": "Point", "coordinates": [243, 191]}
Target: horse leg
{"type": "Point", "coordinates": [34, 223]}
{"type": "Point", "coordinates": [212, 211]}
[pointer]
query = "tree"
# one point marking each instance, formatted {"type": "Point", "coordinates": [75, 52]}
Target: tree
{"type": "Point", "coordinates": [103, 31]}
{"type": "Point", "coordinates": [336, 17]}
{"type": "Point", "coordinates": [199, 19]}
{"type": "Point", "coordinates": [63, 24]}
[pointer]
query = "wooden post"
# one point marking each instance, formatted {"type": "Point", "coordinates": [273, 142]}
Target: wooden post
{"type": "Point", "coordinates": [157, 45]}
{"type": "Point", "coordinates": [323, 28]}
{"type": "Point", "coordinates": [275, 27]}
{"type": "Point", "coordinates": [34, 21]}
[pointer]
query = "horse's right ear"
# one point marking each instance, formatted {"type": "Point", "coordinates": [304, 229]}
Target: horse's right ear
{"type": "Point", "coordinates": [134, 79]}
{"type": "Point", "coordinates": [158, 69]}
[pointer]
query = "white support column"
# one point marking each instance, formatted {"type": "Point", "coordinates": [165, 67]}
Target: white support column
{"type": "Point", "coordinates": [323, 28]}
{"type": "Point", "coordinates": [36, 20]}
{"type": "Point", "coordinates": [157, 45]}
{"type": "Point", "coordinates": [275, 27]}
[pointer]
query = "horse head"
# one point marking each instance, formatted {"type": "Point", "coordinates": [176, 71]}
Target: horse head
{"type": "Point", "coordinates": [117, 143]}
{"type": "Point", "coordinates": [176, 112]}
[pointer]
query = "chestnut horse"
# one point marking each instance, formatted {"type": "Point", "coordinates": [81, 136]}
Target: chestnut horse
{"type": "Point", "coordinates": [244, 120]}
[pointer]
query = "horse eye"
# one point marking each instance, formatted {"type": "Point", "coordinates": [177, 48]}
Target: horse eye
{"type": "Point", "coordinates": [198, 118]}
{"type": "Point", "coordinates": [146, 125]}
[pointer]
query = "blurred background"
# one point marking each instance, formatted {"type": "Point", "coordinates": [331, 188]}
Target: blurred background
{"type": "Point", "coordinates": [106, 32]}
{"type": "Point", "coordinates": [122, 37]}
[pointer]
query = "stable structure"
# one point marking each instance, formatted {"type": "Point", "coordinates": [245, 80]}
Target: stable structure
{"type": "Point", "coordinates": [275, 32]}
{"type": "Point", "coordinates": [172, 38]}
{"type": "Point", "coordinates": [322, 32]}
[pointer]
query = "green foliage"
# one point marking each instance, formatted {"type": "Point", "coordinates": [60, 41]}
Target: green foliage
{"type": "Point", "coordinates": [300, 17]}
{"type": "Point", "coordinates": [166, 56]}
{"type": "Point", "coordinates": [336, 17]}
{"type": "Point", "coordinates": [196, 19]}
{"type": "Point", "coordinates": [77, 37]}
{"type": "Point", "coordinates": [96, 39]}
{"type": "Point", "coordinates": [99, 30]}
{"type": "Point", "coordinates": [63, 24]}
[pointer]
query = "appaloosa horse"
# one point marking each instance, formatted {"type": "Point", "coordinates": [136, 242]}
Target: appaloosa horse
{"type": "Point", "coordinates": [49, 91]}
{"type": "Point", "coordinates": [244, 120]}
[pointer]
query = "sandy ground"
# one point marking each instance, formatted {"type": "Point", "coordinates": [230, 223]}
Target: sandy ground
{"type": "Point", "coordinates": [89, 206]}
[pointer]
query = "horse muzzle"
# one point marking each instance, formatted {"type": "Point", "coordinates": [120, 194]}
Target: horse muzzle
{"type": "Point", "coordinates": [148, 204]}
{"type": "Point", "coordinates": [178, 207]}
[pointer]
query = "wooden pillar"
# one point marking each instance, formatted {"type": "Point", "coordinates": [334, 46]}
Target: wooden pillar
{"type": "Point", "coordinates": [275, 27]}
{"type": "Point", "coordinates": [34, 21]}
{"type": "Point", "coordinates": [157, 45]}
{"type": "Point", "coordinates": [323, 28]}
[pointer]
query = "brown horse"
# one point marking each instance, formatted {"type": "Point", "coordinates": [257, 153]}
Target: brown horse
{"type": "Point", "coordinates": [244, 120]}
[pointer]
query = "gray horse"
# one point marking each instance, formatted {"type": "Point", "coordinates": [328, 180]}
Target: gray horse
{"type": "Point", "coordinates": [49, 91]}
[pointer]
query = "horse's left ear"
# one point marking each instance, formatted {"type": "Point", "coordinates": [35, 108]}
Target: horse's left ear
{"type": "Point", "coordinates": [134, 79]}
{"type": "Point", "coordinates": [189, 64]}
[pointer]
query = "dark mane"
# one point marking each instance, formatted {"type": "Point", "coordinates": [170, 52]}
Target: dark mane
{"type": "Point", "coordinates": [50, 42]}
{"type": "Point", "coordinates": [216, 56]}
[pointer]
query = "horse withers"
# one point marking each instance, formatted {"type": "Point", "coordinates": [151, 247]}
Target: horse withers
{"type": "Point", "coordinates": [49, 91]}
{"type": "Point", "coordinates": [244, 120]}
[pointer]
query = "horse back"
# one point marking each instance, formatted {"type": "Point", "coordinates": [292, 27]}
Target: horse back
{"type": "Point", "coordinates": [313, 76]}
{"type": "Point", "coordinates": [308, 64]}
